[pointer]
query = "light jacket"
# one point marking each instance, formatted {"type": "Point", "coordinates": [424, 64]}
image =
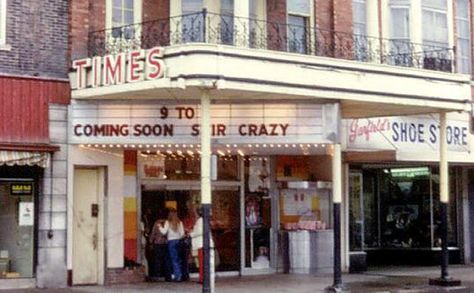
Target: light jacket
{"type": "Point", "coordinates": [173, 235]}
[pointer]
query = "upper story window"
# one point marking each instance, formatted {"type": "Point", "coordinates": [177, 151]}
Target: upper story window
{"type": "Point", "coordinates": [399, 29]}
{"type": "Point", "coordinates": [359, 17]}
{"type": "Point", "coordinates": [227, 21]}
{"type": "Point", "coordinates": [193, 21]}
{"type": "Point", "coordinates": [123, 16]}
{"type": "Point", "coordinates": [3, 22]}
{"type": "Point", "coordinates": [257, 24]}
{"type": "Point", "coordinates": [435, 23]}
{"type": "Point", "coordinates": [299, 13]}
{"type": "Point", "coordinates": [399, 20]}
{"type": "Point", "coordinates": [463, 25]}
{"type": "Point", "coordinates": [359, 20]}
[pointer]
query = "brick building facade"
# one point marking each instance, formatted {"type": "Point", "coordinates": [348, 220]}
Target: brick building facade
{"type": "Point", "coordinates": [327, 30]}
{"type": "Point", "coordinates": [34, 95]}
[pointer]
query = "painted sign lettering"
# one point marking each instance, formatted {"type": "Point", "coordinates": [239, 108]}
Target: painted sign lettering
{"type": "Point", "coordinates": [120, 68]}
{"type": "Point", "coordinates": [404, 132]}
{"type": "Point", "coordinates": [167, 123]}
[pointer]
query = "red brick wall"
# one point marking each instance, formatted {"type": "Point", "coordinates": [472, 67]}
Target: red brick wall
{"type": "Point", "coordinates": [276, 28]}
{"type": "Point", "coordinates": [343, 40]}
{"type": "Point", "coordinates": [78, 28]}
{"type": "Point", "coordinates": [343, 16]}
{"type": "Point", "coordinates": [97, 15]}
{"type": "Point", "coordinates": [156, 26]}
{"type": "Point", "coordinates": [324, 23]}
{"type": "Point", "coordinates": [155, 9]}
{"type": "Point", "coordinates": [323, 11]}
{"type": "Point", "coordinates": [85, 16]}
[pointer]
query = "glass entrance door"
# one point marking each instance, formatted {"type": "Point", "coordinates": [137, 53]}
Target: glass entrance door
{"type": "Point", "coordinates": [225, 218]}
{"type": "Point", "coordinates": [356, 212]}
{"type": "Point", "coordinates": [17, 229]}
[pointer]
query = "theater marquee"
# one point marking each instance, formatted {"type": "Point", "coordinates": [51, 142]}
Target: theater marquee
{"type": "Point", "coordinates": [111, 123]}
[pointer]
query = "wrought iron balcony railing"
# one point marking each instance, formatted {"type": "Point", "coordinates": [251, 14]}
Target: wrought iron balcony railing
{"type": "Point", "coordinates": [204, 27]}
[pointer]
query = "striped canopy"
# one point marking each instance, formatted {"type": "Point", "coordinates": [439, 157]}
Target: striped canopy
{"type": "Point", "coordinates": [11, 158]}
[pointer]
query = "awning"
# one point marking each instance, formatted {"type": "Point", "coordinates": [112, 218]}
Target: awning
{"type": "Point", "coordinates": [11, 158]}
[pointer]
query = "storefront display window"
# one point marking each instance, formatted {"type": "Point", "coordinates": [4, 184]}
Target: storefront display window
{"type": "Point", "coordinates": [399, 208]}
{"type": "Point", "coordinates": [405, 207]}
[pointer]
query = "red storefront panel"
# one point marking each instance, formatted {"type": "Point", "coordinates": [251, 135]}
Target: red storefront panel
{"type": "Point", "coordinates": [24, 107]}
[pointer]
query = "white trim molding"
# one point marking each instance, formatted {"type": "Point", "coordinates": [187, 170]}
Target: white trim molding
{"type": "Point", "coordinates": [3, 25]}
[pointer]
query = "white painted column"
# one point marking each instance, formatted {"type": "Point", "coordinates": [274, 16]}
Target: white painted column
{"type": "Point", "coordinates": [208, 284]}
{"type": "Point", "coordinates": [443, 160]}
{"type": "Point", "coordinates": [205, 149]}
{"type": "Point", "coordinates": [416, 30]}
{"type": "Point", "coordinates": [241, 23]}
{"type": "Point", "coordinates": [445, 279]}
{"type": "Point", "coordinates": [372, 20]}
{"type": "Point", "coordinates": [337, 199]}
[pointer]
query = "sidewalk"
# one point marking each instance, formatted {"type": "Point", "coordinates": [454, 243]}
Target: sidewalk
{"type": "Point", "coordinates": [387, 279]}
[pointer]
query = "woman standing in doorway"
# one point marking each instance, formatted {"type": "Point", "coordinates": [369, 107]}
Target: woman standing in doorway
{"type": "Point", "coordinates": [173, 227]}
{"type": "Point", "coordinates": [197, 244]}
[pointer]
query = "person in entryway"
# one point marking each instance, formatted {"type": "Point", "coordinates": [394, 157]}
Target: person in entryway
{"type": "Point", "coordinates": [160, 264]}
{"type": "Point", "coordinates": [197, 244]}
{"type": "Point", "coordinates": [173, 227]}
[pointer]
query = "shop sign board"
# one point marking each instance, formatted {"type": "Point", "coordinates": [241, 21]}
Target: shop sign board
{"type": "Point", "coordinates": [103, 123]}
{"type": "Point", "coordinates": [21, 189]}
{"type": "Point", "coordinates": [136, 65]}
{"type": "Point", "coordinates": [415, 134]}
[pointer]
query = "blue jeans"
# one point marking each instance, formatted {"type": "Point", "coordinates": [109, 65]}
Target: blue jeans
{"type": "Point", "coordinates": [174, 251]}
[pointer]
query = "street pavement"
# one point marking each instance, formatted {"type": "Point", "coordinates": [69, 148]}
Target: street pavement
{"type": "Point", "coordinates": [380, 280]}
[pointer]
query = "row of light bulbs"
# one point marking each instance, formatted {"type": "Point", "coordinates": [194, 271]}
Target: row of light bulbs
{"type": "Point", "coordinates": [140, 146]}
{"type": "Point", "coordinates": [193, 149]}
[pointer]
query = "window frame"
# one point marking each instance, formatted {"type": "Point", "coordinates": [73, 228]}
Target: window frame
{"type": "Point", "coordinates": [137, 13]}
{"type": "Point", "coordinates": [400, 49]}
{"type": "Point", "coordinates": [433, 13]}
{"type": "Point", "coordinates": [459, 55]}
{"type": "Point", "coordinates": [364, 2]}
{"type": "Point", "coordinates": [3, 25]}
{"type": "Point", "coordinates": [308, 21]}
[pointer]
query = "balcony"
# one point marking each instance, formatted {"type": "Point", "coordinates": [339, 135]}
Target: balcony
{"type": "Point", "coordinates": [205, 27]}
